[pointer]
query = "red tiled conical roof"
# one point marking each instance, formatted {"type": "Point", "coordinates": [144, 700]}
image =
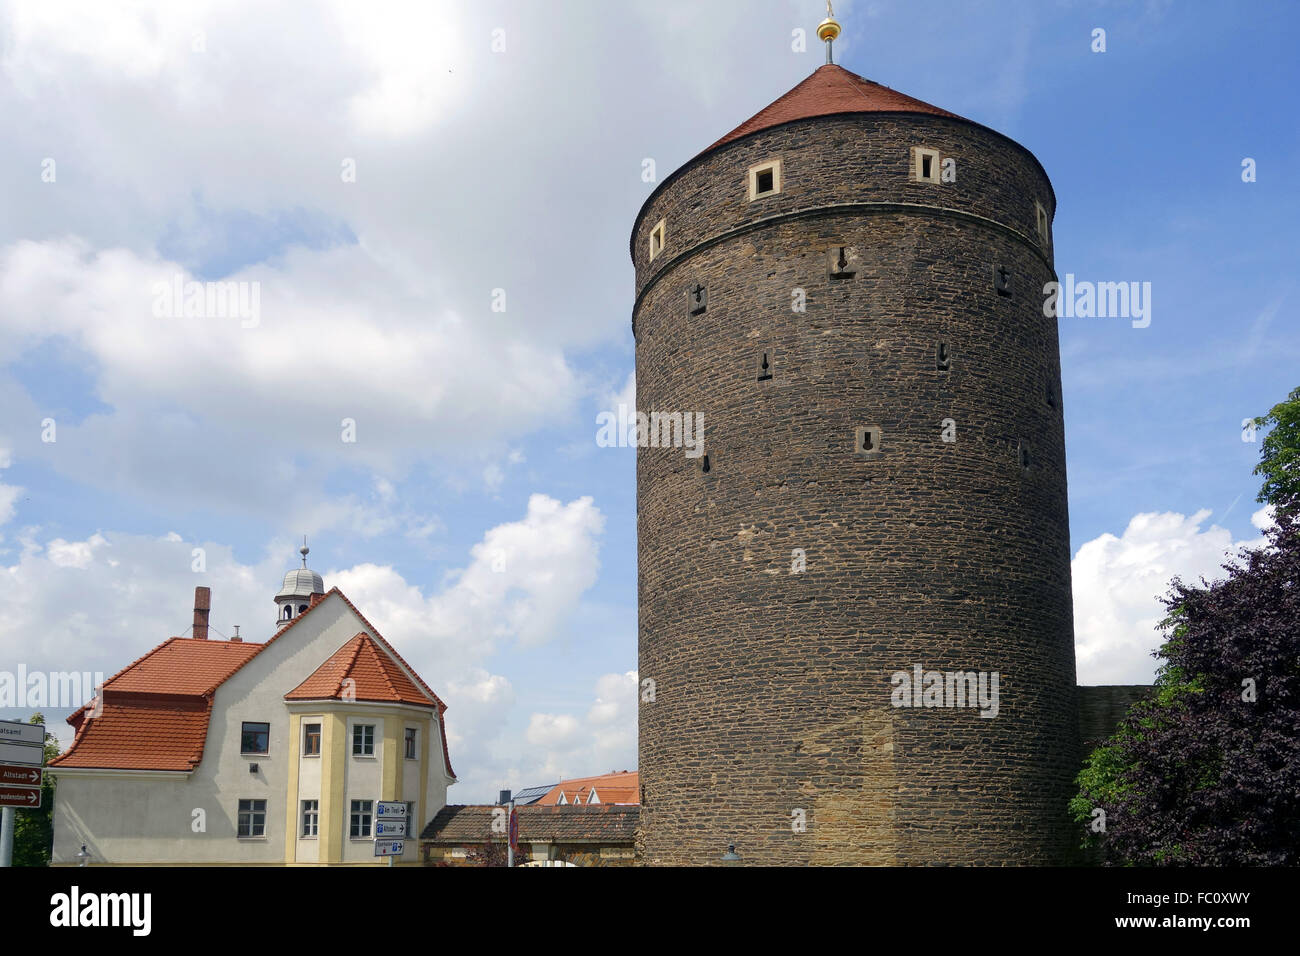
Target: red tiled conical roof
{"type": "Point", "coordinates": [831, 90]}
{"type": "Point", "coordinates": [376, 677]}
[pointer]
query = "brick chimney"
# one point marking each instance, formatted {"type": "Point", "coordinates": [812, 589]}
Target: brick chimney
{"type": "Point", "coordinates": [315, 599]}
{"type": "Point", "coordinates": [202, 607]}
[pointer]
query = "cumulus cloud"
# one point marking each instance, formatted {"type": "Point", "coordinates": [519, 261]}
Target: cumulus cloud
{"type": "Point", "coordinates": [8, 493]}
{"type": "Point", "coordinates": [100, 603]}
{"type": "Point", "coordinates": [601, 741]}
{"type": "Point", "coordinates": [1118, 582]}
{"type": "Point", "coordinates": [523, 581]}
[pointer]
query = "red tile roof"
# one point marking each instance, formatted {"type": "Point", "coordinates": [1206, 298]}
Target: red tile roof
{"type": "Point", "coordinates": [183, 666]}
{"type": "Point", "coordinates": [578, 790]}
{"type": "Point", "coordinates": [155, 714]}
{"type": "Point", "coordinates": [142, 733]}
{"type": "Point", "coordinates": [831, 90]}
{"type": "Point", "coordinates": [376, 677]}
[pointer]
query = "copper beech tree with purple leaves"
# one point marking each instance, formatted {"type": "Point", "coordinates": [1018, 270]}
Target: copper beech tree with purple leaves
{"type": "Point", "coordinates": [1207, 772]}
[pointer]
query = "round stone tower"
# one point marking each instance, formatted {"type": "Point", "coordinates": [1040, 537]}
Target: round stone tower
{"type": "Point", "coordinates": [856, 641]}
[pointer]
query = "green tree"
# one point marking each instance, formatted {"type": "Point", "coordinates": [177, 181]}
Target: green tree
{"type": "Point", "coordinates": [34, 829]}
{"type": "Point", "coordinates": [1279, 459]}
{"type": "Point", "coordinates": [1119, 773]}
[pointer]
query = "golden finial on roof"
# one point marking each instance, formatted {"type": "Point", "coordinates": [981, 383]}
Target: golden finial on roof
{"type": "Point", "coordinates": [828, 30]}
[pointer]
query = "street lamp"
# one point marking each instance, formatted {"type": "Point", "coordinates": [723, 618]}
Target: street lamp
{"type": "Point", "coordinates": [83, 855]}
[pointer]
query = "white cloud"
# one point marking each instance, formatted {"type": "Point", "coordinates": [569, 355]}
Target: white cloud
{"type": "Point", "coordinates": [602, 741]}
{"type": "Point", "coordinates": [1118, 581]}
{"type": "Point", "coordinates": [8, 493]}
{"type": "Point", "coordinates": [100, 603]}
{"type": "Point", "coordinates": [546, 562]}
{"type": "Point", "coordinates": [76, 554]}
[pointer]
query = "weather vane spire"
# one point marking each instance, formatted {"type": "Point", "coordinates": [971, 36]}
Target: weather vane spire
{"type": "Point", "coordinates": [304, 551]}
{"type": "Point", "coordinates": [828, 30]}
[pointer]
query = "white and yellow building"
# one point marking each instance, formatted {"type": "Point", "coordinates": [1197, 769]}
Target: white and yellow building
{"type": "Point", "coordinates": [231, 752]}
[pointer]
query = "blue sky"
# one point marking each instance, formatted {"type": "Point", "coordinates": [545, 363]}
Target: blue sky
{"type": "Point", "coordinates": [210, 143]}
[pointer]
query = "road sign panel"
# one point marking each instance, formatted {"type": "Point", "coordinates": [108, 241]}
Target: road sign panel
{"type": "Point", "coordinates": [16, 775]}
{"type": "Point", "coordinates": [23, 754]}
{"type": "Point", "coordinates": [390, 808]}
{"type": "Point", "coordinates": [387, 829]}
{"type": "Point", "coordinates": [389, 847]}
{"type": "Point", "coordinates": [14, 732]}
{"type": "Point", "coordinates": [26, 797]}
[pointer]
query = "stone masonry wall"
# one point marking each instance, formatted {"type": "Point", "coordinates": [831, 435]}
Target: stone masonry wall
{"type": "Point", "coordinates": [772, 688]}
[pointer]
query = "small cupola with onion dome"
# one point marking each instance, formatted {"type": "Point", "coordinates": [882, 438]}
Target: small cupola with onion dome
{"type": "Point", "coordinates": [296, 593]}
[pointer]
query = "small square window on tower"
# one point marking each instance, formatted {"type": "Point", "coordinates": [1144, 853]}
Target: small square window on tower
{"type": "Point", "coordinates": [925, 165]}
{"type": "Point", "coordinates": [657, 239]}
{"type": "Point", "coordinates": [764, 179]}
{"type": "Point", "coordinates": [1044, 230]}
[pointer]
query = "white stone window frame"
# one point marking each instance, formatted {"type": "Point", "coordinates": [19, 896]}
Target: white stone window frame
{"type": "Point", "coordinates": [309, 819]}
{"type": "Point", "coordinates": [1042, 224]}
{"type": "Point", "coordinates": [367, 731]}
{"type": "Point", "coordinates": [919, 154]}
{"type": "Point", "coordinates": [364, 810]}
{"type": "Point", "coordinates": [658, 236]}
{"type": "Point", "coordinates": [771, 165]}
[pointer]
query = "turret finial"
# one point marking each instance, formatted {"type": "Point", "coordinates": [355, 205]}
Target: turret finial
{"type": "Point", "coordinates": [828, 30]}
{"type": "Point", "coordinates": [304, 551]}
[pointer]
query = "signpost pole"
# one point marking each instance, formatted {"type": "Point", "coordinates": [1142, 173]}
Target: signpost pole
{"type": "Point", "coordinates": [7, 838]}
{"type": "Point", "coordinates": [510, 835]}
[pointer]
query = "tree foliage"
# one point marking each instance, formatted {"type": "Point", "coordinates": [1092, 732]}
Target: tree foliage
{"type": "Point", "coordinates": [34, 829]}
{"type": "Point", "coordinates": [1207, 771]}
{"type": "Point", "coordinates": [1279, 461]}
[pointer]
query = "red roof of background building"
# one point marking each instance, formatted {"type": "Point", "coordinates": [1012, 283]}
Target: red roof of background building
{"type": "Point", "coordinates": [620, 786]}
{"type": "Point", "coordinates": [829, 91]}
{"type": "Point", "coordinates": [374, 673]}
{"type": "Point", "coordinates": [156, 709]}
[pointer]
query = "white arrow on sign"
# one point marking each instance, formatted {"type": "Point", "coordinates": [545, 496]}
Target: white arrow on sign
{"type": "Point", "coordinates": [20, 776]}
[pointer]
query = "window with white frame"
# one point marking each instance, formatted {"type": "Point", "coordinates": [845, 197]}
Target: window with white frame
{"type": "Point", "coordinates": [361, 816]}
{"type": "Point", "coordinates": [363, 740]}
{"type": "Point", "coordinates": [925, 165]}
{"type": "Point", "coordinates": [657, 238]}
{"type": "Point", "coordinates": [310, 817]}
{"type": "Point", "coordinates": [252, 818]}
{"type": "Point", "coordinates": [764, 179]}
